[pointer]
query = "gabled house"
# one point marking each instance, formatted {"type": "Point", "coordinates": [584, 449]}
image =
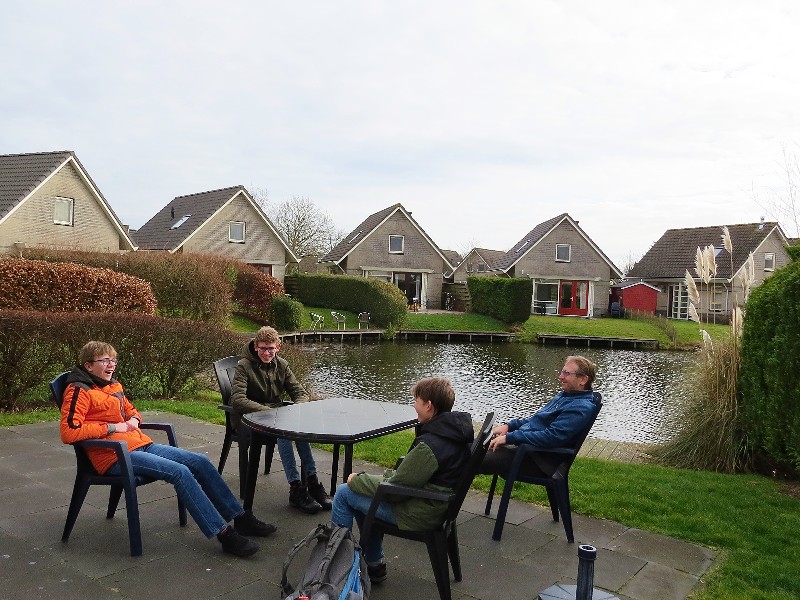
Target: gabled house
{"type": "Point", "coordinates": [225, 222]}
{"type": "Point", "coordinates": [392, 246]}
{"type": "Point", "coordinates": [47, 199]}
{"type": "Point", "coordinates": [571, 275]}
{"type": "Point", "coordinates": [667, 261]}
{"type": "Point", "coordinates": [478, 262]}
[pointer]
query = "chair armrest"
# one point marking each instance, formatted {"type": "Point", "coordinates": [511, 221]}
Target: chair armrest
{"type": "Point", "coordinates": [225, 407]}
{"type": "Point", "coordinates": [166, 428]}
{"type": "Point", "coordinates": [393, 489]}
{"type": "Point", "coordinates": [121, 450]}
{"type": "Point", "coordinates": [397, 463]}
{"type": "Point", "coordinates": [525, 448]}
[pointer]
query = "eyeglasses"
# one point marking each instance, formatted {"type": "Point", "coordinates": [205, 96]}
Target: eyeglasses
{"type": "Point", "coordinates": [266, 349]}
{"type": "Point", "coordinates": [564, 372]}
{"type": "Point", "coordinates": [107, 361]}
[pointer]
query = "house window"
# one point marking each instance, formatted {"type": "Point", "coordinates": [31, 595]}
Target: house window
{"type": "Point", "coordinates": [236, 232]}
{"type": "Point", "coordinates": [481, 268]}
{"type": "Point", "coordinates": [563, 252]}
{"type": "Point", "coordinates": [719, 301]}
{"type": "Point", "coordinates": [769, 261]}
{"type": "Point", "coordinates": [180, 221]}
{"type": "Point", "coordinates": [396, 244]}
{"type": "Point", "coordinates": [63, 211]}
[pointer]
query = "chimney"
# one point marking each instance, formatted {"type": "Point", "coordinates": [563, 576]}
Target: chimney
{"type": "Point", "coordinates": [172, 213]}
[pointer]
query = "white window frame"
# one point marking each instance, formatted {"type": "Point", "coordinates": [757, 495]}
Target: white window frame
{"type": "Point", "coordinates": [70, 204]}
{"type": "Point", "coordinates": [769, 256]}
{"type": "Point", "coordinates": [719, 301]}
{"type": "Point", "coordinates": [402, 244]}
{"type": "Point", "coordinates": [569, 252]}
{"type": "Point", "coordinates": [180, 221]}
{"type": "Point", "coordinates": [233, 240]}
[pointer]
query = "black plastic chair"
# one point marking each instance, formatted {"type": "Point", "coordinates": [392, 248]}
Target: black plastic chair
{"type": "Point", "coordinates": [126, 481]}
{"type": "Point", "coordinates": [224, 369]}
{"type": "Point", "coordinates": [442, 542]}
{"type": "Point", "coordinates": [557, 485]}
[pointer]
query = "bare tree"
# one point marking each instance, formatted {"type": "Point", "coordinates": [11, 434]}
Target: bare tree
{"type": "Point", "coordinates": [629, 261]}
{"type": "Point", "coordinates": [307, 229]}
{"type": "Point", "coordinates": [261, 196]}
{"type": "Point", "coordinates": [784, 205]}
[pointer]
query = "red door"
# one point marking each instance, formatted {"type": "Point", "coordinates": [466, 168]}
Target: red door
{"type": "Point", "coordinates": [573, 298]}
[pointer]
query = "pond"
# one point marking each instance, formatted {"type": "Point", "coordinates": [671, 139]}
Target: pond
{"type": "Point", "coordinates": [641, 389]}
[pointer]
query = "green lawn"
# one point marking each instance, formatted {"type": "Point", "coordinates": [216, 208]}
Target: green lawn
{"type": "Point", "coordinates": [748, 520]}
{"type": "Point", "coordinates": [452, 321]}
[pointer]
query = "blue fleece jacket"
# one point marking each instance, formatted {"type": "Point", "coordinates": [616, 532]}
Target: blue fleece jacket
{"type": "Point", "coordinates": [555, 424]}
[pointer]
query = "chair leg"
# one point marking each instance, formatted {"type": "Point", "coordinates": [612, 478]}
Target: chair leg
{"type": "Point", "coordinates": [134, 528]}
{"type": "Point", "coordinates": [437, 551]}
{"type": "Point", "coordinates": [552, 497]}
{"type": "Point", "coordinates": [79, 492]}
{"type": "Point", "coordinates": [243, 464]}
{"type": "Point", "coordinates": [488, 508]}
{"type": "Point", "coordinates": [181, 513]}
{"type": "Point", "coordinates": [565, 509]}
{"type": "Point", "coordinates": [113, 500]}
{"type": "Point", "coordinates": [226, 448]}
{"type": "Point", "coordinates": [502, 509]}
{"type": "Point", "coordinates": [452, 552]}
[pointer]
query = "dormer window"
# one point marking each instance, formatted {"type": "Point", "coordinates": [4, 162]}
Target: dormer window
{"type": "Point", "coordinates": [180, 221]}
{"type": "Point", "coordinates": [396, 244]}
{"type": "Point", "coordinates": [236, 232]}
{"type": "Point", "coordinates": [63, 211]}
{"type": "Point", "coordinates": [563, 252]}
{"type": "Point", "coordinates": [769, 261]}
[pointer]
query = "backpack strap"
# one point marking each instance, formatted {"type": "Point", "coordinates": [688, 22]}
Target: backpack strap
{"type": "Point", "coordinates": [320, 532]}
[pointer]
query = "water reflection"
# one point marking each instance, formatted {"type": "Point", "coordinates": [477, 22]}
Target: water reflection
{"type": "Point", "coordinates": [641, 390]}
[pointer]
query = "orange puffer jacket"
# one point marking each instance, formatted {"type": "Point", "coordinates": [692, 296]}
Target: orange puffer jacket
{"type": "Point", "coordinates": [86, 414]}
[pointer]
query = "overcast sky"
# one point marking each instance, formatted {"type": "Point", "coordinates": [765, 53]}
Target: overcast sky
{"type": "Point", "coordinates": [482, 118]}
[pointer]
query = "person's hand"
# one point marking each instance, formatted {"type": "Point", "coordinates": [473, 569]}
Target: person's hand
{"type": "Point", "coordinates": [133, 424]}
{"type": "Point", "coordinates": [120, 427]}
{"type": "Point", "coordinates": [350, 477]}
{"type": "Point", "coordinates": [496, 442]}
{"type": "Point", "coordinates": [500, 430]}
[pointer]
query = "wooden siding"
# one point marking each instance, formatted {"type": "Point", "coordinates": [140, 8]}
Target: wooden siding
{"type": "Point", "coordinates": [260, 245]}
{"type": "Point", "coordinates": [32, 222]}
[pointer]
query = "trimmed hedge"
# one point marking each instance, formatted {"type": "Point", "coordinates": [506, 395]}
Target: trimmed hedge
{"type": "Point", "coordinates": [385, 302]}
{"type": "Point", "coordinates": [506, 299]}
{"type": "Point", "coordinates": [794, 252]}
{"type": "Point", "coordinates": [770, 387]}
{"type": "Point", "coordinates": [287, 313]}
{"type": "Point", "coordinates": [254, 293]}
{"type": "Point", "coordinates": [59, 287]}
{"type": "Point", "coordinates": [158, 357]}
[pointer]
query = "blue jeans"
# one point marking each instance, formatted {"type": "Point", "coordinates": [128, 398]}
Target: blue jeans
{"type": "Point", "coordinates": [286, 453]}
{"type": "Point", "coordinates": [348, 505]}
{"type": "Point", "coordinates": [201, 489]}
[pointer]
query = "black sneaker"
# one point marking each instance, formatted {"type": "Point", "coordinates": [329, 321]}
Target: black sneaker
{"type": "Point", "coordinates": [236, 544]}
{"type": "Point", "coordinates": [317, 492]}
{"type": "Point", "coordinates": [377, 573]}
{"type": "Point", "coordinates": [299, 499]}
{"type": "Point", "coordinates": [248, 524]}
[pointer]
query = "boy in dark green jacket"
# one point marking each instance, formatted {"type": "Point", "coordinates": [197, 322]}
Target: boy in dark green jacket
{"type": "Point", "coordinates": [435, 460]}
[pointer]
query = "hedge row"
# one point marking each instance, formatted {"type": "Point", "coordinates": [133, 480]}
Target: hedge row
{"type": "Point", "coordinates": [40, 285]}
{"type": "Point", "coordinates": [506, 299]}
{"type": "Point", "coordinates": [385, 302]}
{"type": "Point", "coordinates": [287, 313]}
{"type": "Point", "coordinates": [158, 357]}
{"type": "Point", "coordinates": [770, 387]}
{"type": "Point", "coordinates": [191, 286]}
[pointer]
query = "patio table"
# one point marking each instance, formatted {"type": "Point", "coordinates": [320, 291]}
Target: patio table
{"type": "Point", "coordinates": [337, 421]}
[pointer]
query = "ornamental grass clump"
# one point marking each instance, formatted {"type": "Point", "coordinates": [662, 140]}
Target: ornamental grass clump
{"type": "Point", "coordinates": [710, 436]}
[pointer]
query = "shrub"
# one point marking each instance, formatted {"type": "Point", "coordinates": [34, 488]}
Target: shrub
{"type": "Point", "coordinates": [287, 313]}
{"type": "Point", "coordinates": [44, 286]}
{"type": "Point", "coordinates": [158, 357]}
{"type": "Point", "coordinates": [254, 293]}
{"type": "Point", "coordinates": [385, 302]}
{"type": "Point", "coordinates": [508, 300]}
{"type": "Point", "coordinates": [770, 388]}
{"type": "Point", "coordinates": [794, 252]}
{"type": "Point", "coordinates": [190, 286]}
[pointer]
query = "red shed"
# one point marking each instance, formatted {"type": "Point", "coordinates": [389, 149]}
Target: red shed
{"type": "Point", "coordinates": [635, 295]}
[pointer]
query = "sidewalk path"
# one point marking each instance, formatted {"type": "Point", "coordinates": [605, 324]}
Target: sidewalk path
{"type": "Point", "coordinates": [36, 476]}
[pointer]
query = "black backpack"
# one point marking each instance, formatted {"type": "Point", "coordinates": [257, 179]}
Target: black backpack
{"type": "Point", "coordinates": [336, 569]}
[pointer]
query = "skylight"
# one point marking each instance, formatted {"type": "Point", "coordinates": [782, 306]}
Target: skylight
{"type": "Point", "coordinates": [180, 221]}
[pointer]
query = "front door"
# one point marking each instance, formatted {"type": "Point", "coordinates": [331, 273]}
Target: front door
{"type": "Point", "coordinates": [573, 298]}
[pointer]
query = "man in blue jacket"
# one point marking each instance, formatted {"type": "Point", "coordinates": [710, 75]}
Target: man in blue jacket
{"type": "Point", "coordinates": [557, 424]}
